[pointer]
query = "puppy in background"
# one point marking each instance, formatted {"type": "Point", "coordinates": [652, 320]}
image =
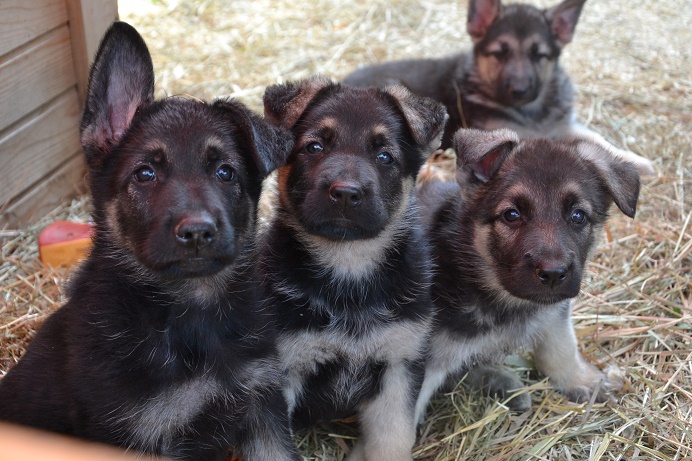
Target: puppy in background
{"type": "Point", "coordinates": [163, 347]}
{"type": "Point", "coordinates": [345, 261]}
{"type": "Point", "coordinates": [511, 79]}
{"type": "Point", "coordinates": [511, 238]}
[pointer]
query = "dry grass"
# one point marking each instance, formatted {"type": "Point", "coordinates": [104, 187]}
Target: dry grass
{"type": "Point", "coordinates": [632, 67]}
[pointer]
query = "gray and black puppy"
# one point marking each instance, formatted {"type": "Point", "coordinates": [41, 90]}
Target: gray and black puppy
{"type": "Point", "coordinates": [511, 78]}
{"type": "Point", "coordinates": [511, 238]}
{"type": "Point", "coordinates": [345, 261]}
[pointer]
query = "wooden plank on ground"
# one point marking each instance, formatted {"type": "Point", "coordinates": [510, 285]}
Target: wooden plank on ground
{"type": "Point", "coordinates": [35, 76]}
{"type": "Point", "coordinates": [31, 150]}
{"type": "Point", "coordinates": [25, 444]}
{"type": "Point", "coordinates": [66, 182]}
{"type": "Point", "coordinates": [24, 20]}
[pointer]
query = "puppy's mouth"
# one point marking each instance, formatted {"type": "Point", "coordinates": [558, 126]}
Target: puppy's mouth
{"type": "Point", "coordinates": [341, 229]}
{"type": "Point", "coordinates": [518, 98]}
{"type": "Point", "coordinates": [193, 267]}
{"type": "Point", "coordinates": [546, 297]}
{"type": "Point", "coordinates": [539, 294]}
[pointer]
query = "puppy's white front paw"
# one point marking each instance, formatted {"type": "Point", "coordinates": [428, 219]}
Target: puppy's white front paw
{"type": "Point", "coordinates": [360, 453]}
{"type": "Point", "coordinates": [605, 384]}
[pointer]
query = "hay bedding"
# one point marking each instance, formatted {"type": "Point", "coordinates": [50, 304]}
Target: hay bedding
{"type": "Point", "coordinates": [632, 67]}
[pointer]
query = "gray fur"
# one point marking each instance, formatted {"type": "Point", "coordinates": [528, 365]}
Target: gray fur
{"type": "Point", "coordinates": [472, 84]}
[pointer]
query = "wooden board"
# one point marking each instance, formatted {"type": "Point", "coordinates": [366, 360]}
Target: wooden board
{"type": "Point", "coordinates": [37, 147]}
{"type": "Point", "coordinates": [35, 76]}
{"type": "Point", "coordinates": [89, 20]}
{"type": "Point", "coordinates": [46, 48]}
{"type": "Point", "coordinates": [24, 20]}
{"type": "Point", "coordinates": [66, 182]}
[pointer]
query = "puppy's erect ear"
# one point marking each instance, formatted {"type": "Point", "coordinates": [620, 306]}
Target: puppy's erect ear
{"type": "Point", "coordinates": [621, 178]}
{"type": "Point", "coordinates": [482, 153]}
{"type": "Point", "coordinates": [285, 103]}
{"type": "Point", "coordinates": [121, 81]}
{"type": "Point", "coordinates": [482, 13]}
{"type": "Point", "coordinates": [563, 19]}
{"type": "Point", "coordinates": [270, 145]}
{"type": "Point", "coordinates": [425, 117]}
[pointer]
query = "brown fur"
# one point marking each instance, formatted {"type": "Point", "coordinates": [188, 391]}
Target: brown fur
{"type": "Point", "coordinates": [511, 239]}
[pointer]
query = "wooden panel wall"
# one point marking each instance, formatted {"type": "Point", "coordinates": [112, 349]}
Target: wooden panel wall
{"type": "Point", "coordinates": [46, 47]}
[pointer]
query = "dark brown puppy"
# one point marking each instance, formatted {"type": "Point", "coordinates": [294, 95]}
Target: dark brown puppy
{"type": "Point", "coordinates": [163, 347]}
{"type": "Point", "coordinates": [345, 261]}
{"type": "Point", "coordinates": [511, 78]}
{"type": "Point", "coordinates": [511, 238]}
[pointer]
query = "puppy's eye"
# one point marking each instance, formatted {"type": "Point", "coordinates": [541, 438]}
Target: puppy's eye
{"type": "Point", "coordinates": [578, 216]}
{"type": "Point", "coordinates": [502, 52]}
{"type": "Point", "coordinates": [145, 174]}
{"type": "Point", "coordinates": [511, 215]}
{"type": "Point", "coordinates": [536, 54]}
{"type": "Point", "coordinates": [225, 173]}
{"type": "Point", "coordinates": [385, 158]}
{"type": "Point", "coordinates": [314, 148]}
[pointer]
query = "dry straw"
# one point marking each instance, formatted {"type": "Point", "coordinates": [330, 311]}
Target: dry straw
{"type": "Point", "coordinates": [631, 63]}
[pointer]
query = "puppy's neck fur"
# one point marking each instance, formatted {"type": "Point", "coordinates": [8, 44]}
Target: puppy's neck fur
{"type": "Point", "coordinates": [353, 260]}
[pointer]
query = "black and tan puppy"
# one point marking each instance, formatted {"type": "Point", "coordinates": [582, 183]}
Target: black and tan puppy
{"type": "Point", "coordinates": [345, 260]}
{"type": "Point", "coordinates": [511, 239]}
{"type": "Point", "coordinates": [163, 347]}
{"type": "Point", "coordinates": [511, 78]}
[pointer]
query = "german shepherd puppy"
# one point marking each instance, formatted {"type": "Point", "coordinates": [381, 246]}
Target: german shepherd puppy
{"type": "Point", "coordinates": [345, 260]}
{"type": "Point", "coordinates": [163, 347]}
{"type": "Point", "coordinates": [511, 79]}
{"type": "Point", "coordinates": [510, 240]}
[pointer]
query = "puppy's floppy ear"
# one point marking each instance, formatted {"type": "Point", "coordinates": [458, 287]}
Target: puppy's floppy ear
{"type": "Point", "coordinates": [270, 145]}
{"type": "Point", "coordinates": [563, 19]}
{"type": "Point", "coordinates": [425, 117]}
{"type": "Point", "coordinates": [481, 14]}
{"type": "Point", "coordinates": [620, 178]}
{"type": "Point", "coordinates": [121, 81]}
{"type": "Point", "coordinates": [482, 153]}
{"type": "Point", "coordinates": [285, 103]}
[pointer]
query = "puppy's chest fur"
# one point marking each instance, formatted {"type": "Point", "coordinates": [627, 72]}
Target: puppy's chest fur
{"type": "Point", "coordinates": [331, 372]}
{"type": "Point", "coordinates": [191, 360]}
{"type": "Point", "coordinates": [472, 338]}
{"type": "Point", "coordinates": [304, 351]}
{"type": "Point", "coordinates": [339, 335]}
{"type": "Point", "coordinates": [312, 296]}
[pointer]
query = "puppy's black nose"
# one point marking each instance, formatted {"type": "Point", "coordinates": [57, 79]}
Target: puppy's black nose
{"type": "Point", "coordinates": [520, 93]}
{"type": "Point", "coordinates": [552, 276]}
{"type": "Point", "coordinates": [197, 230]}
{"type": "Point", "coordinates": [345, 193]}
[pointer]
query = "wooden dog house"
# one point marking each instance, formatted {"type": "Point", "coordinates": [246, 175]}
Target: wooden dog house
{"type": "Point", "coordinates": [46, 47]}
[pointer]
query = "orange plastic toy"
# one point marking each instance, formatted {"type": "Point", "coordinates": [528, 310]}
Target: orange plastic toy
{"type": "Point", "coordinates": [64, 243]}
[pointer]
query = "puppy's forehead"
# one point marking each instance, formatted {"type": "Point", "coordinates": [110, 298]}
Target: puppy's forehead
{"type": "Point", "coordinates": [520, 21]}
{"type": "Point", "coordinates": [189, 134]}
{"type": "Point", "coordinates": [548, 172]}
{"type": "Point", "coordinates": [550, 194]}
{"type": "Point", "coordinates": [356, 114]}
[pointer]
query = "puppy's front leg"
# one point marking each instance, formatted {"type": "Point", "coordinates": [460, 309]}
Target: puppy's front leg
{"type": "Point", "coordinates": [267, 435]}
{"type": "Point", "coordinates": [557, 355]}
{"type": "Point", "coordinates": [644, 165]}
{"type": "Point", "coordinates": [387, 425]}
